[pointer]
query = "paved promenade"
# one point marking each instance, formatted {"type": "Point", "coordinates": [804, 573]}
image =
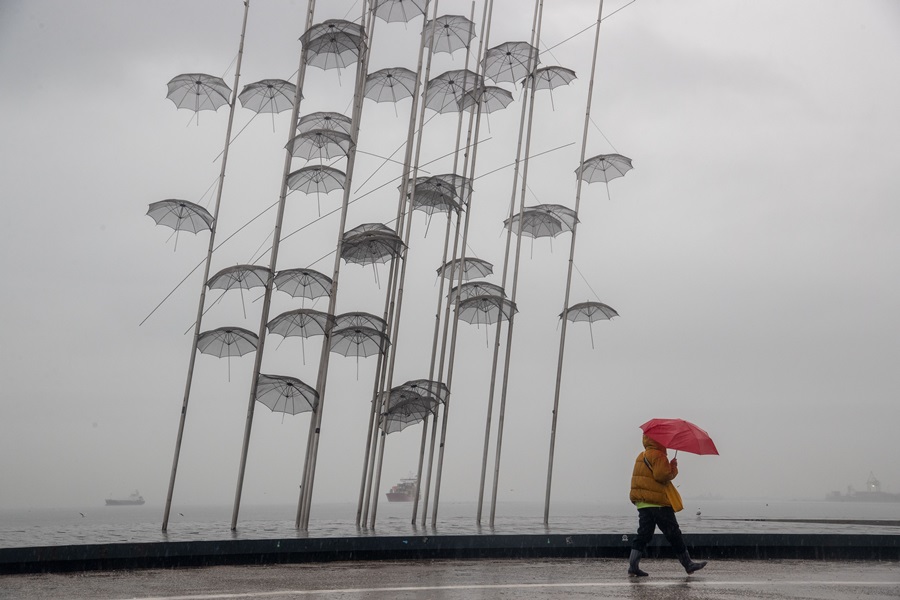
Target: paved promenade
{"type": "Point", "coordinates": [519, 579]}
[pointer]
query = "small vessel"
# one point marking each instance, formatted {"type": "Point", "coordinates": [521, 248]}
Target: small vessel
{"type": "Point", "coordinates": [134, 499]}
{"type": "Point", "coordinates": [405, 491]}
{"type": "Point", "coordinates": [872, 493]}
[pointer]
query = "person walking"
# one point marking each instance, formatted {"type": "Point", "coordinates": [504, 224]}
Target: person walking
{"type": "Point", "coordinates": [653, 472]}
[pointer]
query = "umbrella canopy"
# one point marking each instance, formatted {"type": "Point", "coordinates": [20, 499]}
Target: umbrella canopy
{"type": "Point", "coordinates": [198, 91]}
{"type": "Point", "coordinates": [371, 247]}
{"type": "Point", "coordinates": [360, 319]}
{"type": "Point", "coordinates": [358, 341]}
{"type": "Point", "coordinates": [535, 224]}
{"type": "Point", "coordinates": [303, 283]}
{"type": "Point", "coordinates": [406, 408]}
{"type": "Point", "coordinates": [451, 32]}
{"type": "Point", "coordinates": [180, 215]}
{"type": "Point", "coordinates": [268, 96]}
{"type": "Point", "coordinates": [390, 85]}
{"type": "Point", "coordinates": [368, 228]}
{"type": "Point", "coordinates": [604, 167]}
{"type": "Point", "coordinates": [679, 434]}
{"type": "Point", "coordinates": [476, 288]}
{"type": "Point", "coordinates": [331, 27]}
{"type": "Point", "coordinates": [590, 312]}
{"type": "Point", "coordinates": [227, 341]}
{"type": "Point", "coordinates": [566, 215]}
{"type": "Point", "coordinates": [548, 78]}
{"type": "Point", "coordinates": [285, 394]}
{"type": "Point", "coordinates": [427, 388]}
{"type": "Point", "coordinates": [475, 267]}
{"type": "Point", "coordinates": [491, 98]}
{"type": "Point", "coordinates": [333, 50]}
{"type": "Point", "coordinates": [445, 92]}
{"type": "Point", "coordinates": [316, 179]}
{"type": "Point", "coordinates": [239, 276]}
{"type": "Point", "coordinates": [510, 61]}
{"type": "Point", "coordinates": [403, 11]}
{"type": "Point", "coordinates": [485, 310]}
{"type": "Point", "coordinates": [331, 121]}
{"type": "Point", "coordinates": [302, 322]}
{"type": "Point", "coordinates": [319, 143]}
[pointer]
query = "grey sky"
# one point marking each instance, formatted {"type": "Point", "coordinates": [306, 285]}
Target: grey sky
{"type": "Point", "coordinates": [752, 253]}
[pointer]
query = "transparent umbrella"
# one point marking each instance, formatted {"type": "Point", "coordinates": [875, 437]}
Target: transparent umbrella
{"type": "Point", "coordinates": [268, 96]}
{"type": "Point", "coordinates": [486, 309]}
{"type": "Point", "coordinates": [604, 167]}
{"type": "Point", "coordinates": [491, 98]}
{"type": "Point", "coordinates": [331, 121]}
{"type": "Point", "coordinates": [242, 277]}
{"type": "Point", "coordinates": [427, 388]}
{"type": "Point", "coordinates": [303, 283]}
{"type": "Point", "coordinates": [319, 143]}
{"type": "Point", "coordinates": [227, 342]}
{"type": "Point", "coordinates": [550, 78]}
{"type": "Point", "coordinates": [317, 179]}
{"type": "Point", "coordinates": [198, 91]}
{"type": "Point", "coordinates": [180, 215]}
{"type": "Point", "coordinates": [406, 408]}
{"type": "Point", "coordinates": [590, 312]}
{"type": "Point", "coordinates": [535, 224]}
{"type": "Point", "coordinates": [360, 319]}
{"type": "Point", "coordinates": [368, 228]}
{"type": "Point", "coordinates": [510, 61]}
{"type": "Point", "coordinates": [451, 33]}
{"type": "Point", "coordinates": [476, 288]}
{"type": "Point", "coordinates": [475, 267]}
{"type": "Point", "coordinates": [333, 51]}
{"type": "Point", "coordinates": [566, 215]}
{"type": "Point", "coordinates": [301, 322]}
{"type": "Point", "coordinates": [358, 341]}
{"type": "Point", "coordinates": [445, 92]}
{"type": "Point", "coordinates": [371, 248]}
{"type": "Point", "coordinates": [284, 394]}
{"type": "Point", "coordinates": [390, 85]}
{"type": "Point", "coordinates": [394, 11]}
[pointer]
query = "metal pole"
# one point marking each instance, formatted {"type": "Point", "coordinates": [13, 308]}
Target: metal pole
{"type": "Point", "coordinates": [395, 320]}
{"type": "Point", "coordinates": [209, 252]}
{"type": "Point", "coordinates": [362, 67]}
{"type": "Point", "coordinates": [512, 317]}
{"type": "Point", "coordinates": [562, 333]}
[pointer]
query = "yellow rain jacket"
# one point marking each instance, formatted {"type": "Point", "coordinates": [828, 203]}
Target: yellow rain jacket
{"type": "Point", "coordinates": [649, 487]}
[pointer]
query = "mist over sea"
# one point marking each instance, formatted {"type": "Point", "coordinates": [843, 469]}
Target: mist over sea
{"type": "Point", "coordinates": [118, 524]}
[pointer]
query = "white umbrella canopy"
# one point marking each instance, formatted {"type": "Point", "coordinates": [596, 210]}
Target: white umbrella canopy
{"type": "Point", "coordinates": [268, 96]}
{"type": "Point", "coordinates": [399, 11]}
{"type": "Point", "coordinates": [180, 215]}
{"type": "Point", "coordinates": [198, 91]}
{"type": "Point", "coordinates": [284, 394]}
{"type": "Point", "coordinates": [510, 61]}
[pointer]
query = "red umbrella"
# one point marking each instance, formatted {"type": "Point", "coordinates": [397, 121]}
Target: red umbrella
{"type": "Point", "coordinates": [679, 434]}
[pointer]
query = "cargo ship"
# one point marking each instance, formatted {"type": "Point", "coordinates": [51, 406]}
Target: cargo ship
{"type": "Point", "coordinates": [405, 491]}
{"type": "Point", "coordinates": [134, 499]}
{"type": "Point", "coordinates": [872, 493]}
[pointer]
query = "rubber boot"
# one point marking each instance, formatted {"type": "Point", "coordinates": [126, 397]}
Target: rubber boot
{"type": "Point", "coordinates": [633, 569]}
{"type": "Point", "coordinates": [690, 566]}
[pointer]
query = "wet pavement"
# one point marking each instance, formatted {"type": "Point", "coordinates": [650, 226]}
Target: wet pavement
{"type": "Point", "coordinates": [475, 579]}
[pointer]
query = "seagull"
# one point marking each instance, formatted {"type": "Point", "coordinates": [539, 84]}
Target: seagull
{"type": "Point", "coordinates": [81, 513]}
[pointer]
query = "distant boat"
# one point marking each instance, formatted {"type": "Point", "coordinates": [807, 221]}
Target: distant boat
{"type": "Point", "coordinates": [134, 499]}
{"type": "Point", "coordinates": [405, 491]}
{"type": "Point", "coordinates": [872, 493]}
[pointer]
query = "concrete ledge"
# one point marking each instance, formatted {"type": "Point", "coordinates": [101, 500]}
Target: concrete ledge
{"type": "Point", "coordinates": [91, 557]}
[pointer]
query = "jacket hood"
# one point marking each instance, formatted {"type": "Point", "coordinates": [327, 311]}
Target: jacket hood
{"type": "Point", "coordinates": [653, 445]}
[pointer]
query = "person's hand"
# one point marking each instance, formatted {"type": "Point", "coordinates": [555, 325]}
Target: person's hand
{"type": "Point", "coordinates": [674, 462]}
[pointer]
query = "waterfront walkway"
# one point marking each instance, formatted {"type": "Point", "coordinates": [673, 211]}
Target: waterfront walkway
{"type": "Point", "coordinates": [519, 579]}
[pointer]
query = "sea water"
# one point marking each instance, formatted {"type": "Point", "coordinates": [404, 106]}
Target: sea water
{"type": "Point", "coordinates": [119, 524]}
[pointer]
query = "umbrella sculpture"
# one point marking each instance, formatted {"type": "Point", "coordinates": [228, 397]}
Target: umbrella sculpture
{"type": "Point", "coordinates": [284, 394]}
{"type": "Point", "coordinates": [180, 215]}
{"type": "Point", "coordinates": [333, 51]}
{"type": "Point", "coordinates": [475, 267]}
{"type": "Point", "coordinates": [550, 78]}
{"type": "Point", "coordinates": [510, 61]}
{"type": "Point", "coordinates": [445, 92]}
{"type": "Point", "coordinates": [427, 388]}
{"type": "Point", "coordinates": [566, 215]}
{"type": "Point", "coordinates": [535, 223]}
{"type": "Point", "coordinates": [332, 121]}
{"type": "Point", "coordinates": [395, 11]}
{"type": "Point", "coordinates": [451, 33]}
{"type": "Point", "coordinates": [476, 288]}
{"type": "Point", "coordinates": [227, 342]}
{"type": "Point", "coordinates": [486, 309]}
{"type": "Point", "coordinates": [358, 341]}
{"type": "Point", "coordinates": [301, 322]}
{"type": "Point", "coordinates": [368, 228]}
{"type": "Point", "coordinates": [604, 167]}
{"type": "Point", "coordinates": [242, 277]}
{"type": "Point", "coordinates": [371, 248]}
{"type": "Point", "coordinates": [590, 312]}
{"type": "Point", "coordinates": [491, 98]}
{"type": "Point", "coordinates": [268, 96]}
{"type": "Point", "coordinates": [198, 91]}
{"type": "Point", "coordinates": [317, 179]}
{"type": "Point", "coordinates": [406, 408]}
{"type": "Point", "coordinates": [360, 319]}
{"type": "Point", "coordinates": [679, 434]}
{"type": "Point", "coordinates": [331, 27]}
{"type": "Point", "coordinates": [319, 143]}
{"type": "Point", "coordinates": [303, 283]}
{"type": "Point", "coordinates": [390, 85]}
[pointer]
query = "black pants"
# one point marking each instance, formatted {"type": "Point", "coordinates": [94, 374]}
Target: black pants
{"type": "Point", "coordinates": [664, 518]}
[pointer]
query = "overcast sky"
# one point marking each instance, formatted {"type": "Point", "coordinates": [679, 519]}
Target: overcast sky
{"type": "Point", "coordinates": [752, 253]}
